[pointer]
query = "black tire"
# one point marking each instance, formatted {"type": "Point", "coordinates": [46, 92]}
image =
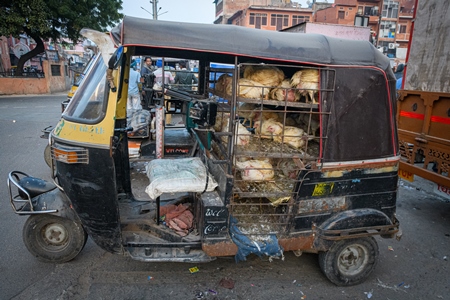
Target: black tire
{"type": "Point", "coordinates": [53, 239]}
{"type": "Point", "coordinates": [349, 262]}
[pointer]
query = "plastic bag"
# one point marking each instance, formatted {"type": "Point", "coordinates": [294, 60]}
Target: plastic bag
{"type": "Point", "coordinates": [139, 120]}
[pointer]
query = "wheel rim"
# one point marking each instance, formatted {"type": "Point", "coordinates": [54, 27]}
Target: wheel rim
{"type": "Point", "coordinates": [353, 259]}
{"type": "Point", "coordinates": [54, 236]}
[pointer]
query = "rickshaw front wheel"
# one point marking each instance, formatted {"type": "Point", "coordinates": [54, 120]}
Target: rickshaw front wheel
{"type": "Point", "coordinates": [349, 262]}
{"type": "Point", "coordinates": [53, 239]}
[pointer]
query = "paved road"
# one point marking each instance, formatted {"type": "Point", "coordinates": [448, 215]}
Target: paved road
{"type": "Point", "coordinates": [417, 267]}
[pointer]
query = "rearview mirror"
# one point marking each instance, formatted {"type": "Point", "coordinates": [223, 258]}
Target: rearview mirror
{"type": "Point", "coordinates": [116, 58]}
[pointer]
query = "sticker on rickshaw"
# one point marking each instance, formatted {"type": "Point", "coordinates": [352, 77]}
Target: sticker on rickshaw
{"type": "Point", "coordinates": [59, 128]}
{"type": "Point", "coordinates": [322, 189]}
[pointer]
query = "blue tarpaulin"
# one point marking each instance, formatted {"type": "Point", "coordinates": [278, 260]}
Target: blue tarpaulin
{"type": "Point", "coordinates": [246, 246]}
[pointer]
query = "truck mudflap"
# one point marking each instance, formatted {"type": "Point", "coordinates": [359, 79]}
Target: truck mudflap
{"type": "Point", "coordinates": [352, 224]}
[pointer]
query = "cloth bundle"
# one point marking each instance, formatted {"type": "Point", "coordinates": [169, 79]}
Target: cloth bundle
{"type": "Point", "coordinates": [178, 218]}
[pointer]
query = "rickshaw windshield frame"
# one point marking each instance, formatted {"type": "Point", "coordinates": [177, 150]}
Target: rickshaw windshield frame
{"type": "Point", "coordinates": [86, 69]}
{"type": "Point", "coordinates": [88, 105]}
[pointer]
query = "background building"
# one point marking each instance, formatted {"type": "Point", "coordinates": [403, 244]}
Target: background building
{"type": "Point", "coordinates": [271, 18]}
{"type": "Point", "coordinates": [352, 12]}
{"type": "Point", "coordinates": [237, 9]}
{"type": "Point", "coordinates": [333, 30]}
{"type": "Point", "coordinates": [395, 28]}
{"type": "Point", "coordinates": [389, 21]}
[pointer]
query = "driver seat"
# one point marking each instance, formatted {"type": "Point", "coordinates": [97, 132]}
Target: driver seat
{"type": "Point", "coordinates": [34, 186]}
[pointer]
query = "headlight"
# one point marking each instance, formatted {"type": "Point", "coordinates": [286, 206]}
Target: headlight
{"type": "Point", "coordinates": [70, 155]}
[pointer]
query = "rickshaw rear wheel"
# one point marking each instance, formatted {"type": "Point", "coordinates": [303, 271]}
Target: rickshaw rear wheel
{"type": "Point", "coordinates": [349, 262]}
{"type": "Point", "coordinates": [53, 239]}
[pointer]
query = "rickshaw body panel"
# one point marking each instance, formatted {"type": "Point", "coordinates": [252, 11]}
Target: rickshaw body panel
{"type": "Point", "coordinates": [93, 194]}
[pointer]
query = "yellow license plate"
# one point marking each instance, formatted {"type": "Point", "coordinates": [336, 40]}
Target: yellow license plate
{"type": "Point", "coordinates": [406, 175]}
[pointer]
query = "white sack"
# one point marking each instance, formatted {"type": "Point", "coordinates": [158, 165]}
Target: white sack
{"type": "Point", "coordinates": [177, 175]}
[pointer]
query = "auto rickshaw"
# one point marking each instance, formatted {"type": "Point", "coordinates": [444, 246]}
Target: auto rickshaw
{"type": "Point", "coordinates": [306, 163]}
{"type": "Point", "coordinates": [78, 78]}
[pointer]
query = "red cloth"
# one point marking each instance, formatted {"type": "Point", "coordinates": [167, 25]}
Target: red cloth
{"type": "Point", "coordinates": [178, 217]}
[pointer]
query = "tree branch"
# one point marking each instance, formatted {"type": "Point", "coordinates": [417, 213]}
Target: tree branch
{"type": "Point", "coordinates": [37, 50]}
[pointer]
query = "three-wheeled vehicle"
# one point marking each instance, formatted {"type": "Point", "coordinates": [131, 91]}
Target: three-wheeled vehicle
{"type": "Point", "coordinates": [300, 154]}
{"type": "Point", "coordinates": [77, 81]}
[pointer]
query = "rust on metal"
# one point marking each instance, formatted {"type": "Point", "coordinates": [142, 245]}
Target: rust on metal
{"type": "Point", "coordinates": [337, 235]}
{"type": "Point", "coordinates": [344, 168]}
{"type": "Point", "coordinates": [322, 205]}
{"type": "Point", "coordinates": [298, 243]}
{"type": "Point", "coordinates": [220, 249]}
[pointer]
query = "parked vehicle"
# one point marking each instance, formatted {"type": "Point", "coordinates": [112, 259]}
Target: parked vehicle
{"type": "Point", "coordinates": [76, 82]}
{"type": "Point", "coordinates": [300, 154]}
{"type": "Point", "coordinates": [424, 103]}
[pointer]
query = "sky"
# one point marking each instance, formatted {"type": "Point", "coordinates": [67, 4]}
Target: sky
{"type": "Point", "coordinates": [194, 11]}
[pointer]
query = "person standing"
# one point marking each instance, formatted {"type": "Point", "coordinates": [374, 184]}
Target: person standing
{"type": "Point", "coordinates": [399, 71]}
{"type": "Point", "coordinates": [134, 89]}
{"type": "Point", "coordinates": [148, 67]}
{"type": "Point", "coordinates": [147, 78]}
{"type": "Point", "coordinates": [168, 77]}
{"type": "Point", "coordinates": [185, 79]}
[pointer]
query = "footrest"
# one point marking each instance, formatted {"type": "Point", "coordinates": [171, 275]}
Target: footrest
{"type": "Point", "coordinates": [184, 254]}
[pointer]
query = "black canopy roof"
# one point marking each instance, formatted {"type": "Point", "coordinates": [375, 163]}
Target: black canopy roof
{"type": "Point", "coordinates": [228, 40]}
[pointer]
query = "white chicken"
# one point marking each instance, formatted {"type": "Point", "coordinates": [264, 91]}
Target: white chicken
{"type": "Point", "coordinates": [223, 82]}
{"type": "Point", "coordinates": [253, 113]}
{"type": "Point", "coordinates": [284, 92]}
{"type": "Point", "coordinates": [256, 170]}
{"type": "Point", "coordinates": [307, 82]}
{"type": "Point", "coordinates": [266, 115]}
{"type": "Point", "coordinates": [241, 133]}
{"type": "Point", "coordinates": [290, 135]}
{"type": "Point", "coordinates": [249, 89]}
{"type": "Point", "coordinates": [268, 76]}
{"type": "Point", "coordinates": [268, 128]}
{"type": "Point", "coordinates": [221, 119]}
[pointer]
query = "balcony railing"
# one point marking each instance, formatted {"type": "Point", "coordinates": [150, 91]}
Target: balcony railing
{"type": "Point", "coordinates": [402, 36]}
{"type": "Point", "coordinates": [374, 19]}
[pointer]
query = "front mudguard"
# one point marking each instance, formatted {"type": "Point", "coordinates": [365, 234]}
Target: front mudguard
{"type": "Point", "coordinates": [54, 202]}
{"type": "Point", "coordinates": [354, 224]}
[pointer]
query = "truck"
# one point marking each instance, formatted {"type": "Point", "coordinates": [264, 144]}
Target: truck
{"type": "Point", "coordinates": [423, 107]}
